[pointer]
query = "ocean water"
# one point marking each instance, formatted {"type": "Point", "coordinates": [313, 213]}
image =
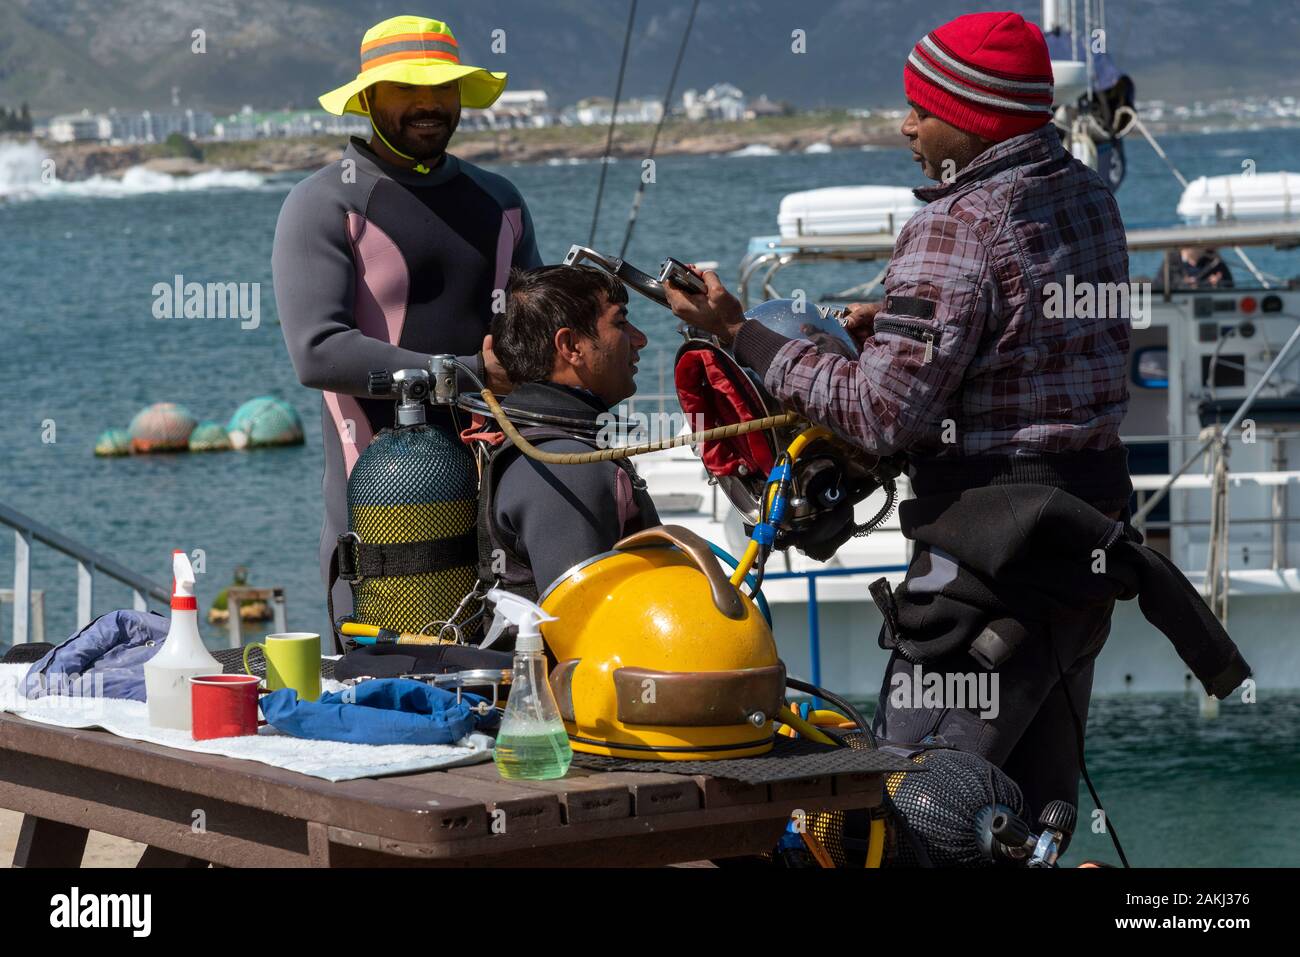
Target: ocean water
{"type": "Point", "coordinates": [1181, 790]}
{"type": "Point", "coordinates": [82, 352]}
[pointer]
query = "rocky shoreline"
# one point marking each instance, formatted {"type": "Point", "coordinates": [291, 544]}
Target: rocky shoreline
{"type": "Point", "coordinates": [79, 161]}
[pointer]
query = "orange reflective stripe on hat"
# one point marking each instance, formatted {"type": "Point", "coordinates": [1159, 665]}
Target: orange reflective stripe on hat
{"type": "Point", "coordinates": [411, 55]}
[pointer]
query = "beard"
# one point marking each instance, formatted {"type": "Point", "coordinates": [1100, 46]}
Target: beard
{"type": "Point", "coordinates": [405, 133]}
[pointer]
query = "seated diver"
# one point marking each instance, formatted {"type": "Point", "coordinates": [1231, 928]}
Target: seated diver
{"type": "Point", "coordinates": [566, 343]}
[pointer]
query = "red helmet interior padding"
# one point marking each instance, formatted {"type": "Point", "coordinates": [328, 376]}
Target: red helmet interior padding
{"type": "Point", "coordinates": [707, 390]}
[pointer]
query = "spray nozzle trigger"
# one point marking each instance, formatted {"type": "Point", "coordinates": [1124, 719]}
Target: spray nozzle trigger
{"type": "Point", "coordinates": [511, 609]}
{"type": "Point", "coordinates": [182, 583]}
{"type": "Point", "coordinates": [182, 575]}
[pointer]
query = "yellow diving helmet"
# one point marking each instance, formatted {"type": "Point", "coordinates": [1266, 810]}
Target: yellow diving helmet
{"type": "Point", "coordinates": [659, 656]}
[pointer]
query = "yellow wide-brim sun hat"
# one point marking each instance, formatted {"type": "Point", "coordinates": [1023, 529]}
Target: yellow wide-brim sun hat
{"type": "Point", "coordinates": [418, 51]}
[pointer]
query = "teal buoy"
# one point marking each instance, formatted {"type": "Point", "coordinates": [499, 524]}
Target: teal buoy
{"type": "Point", "coordinates": [162, 427]}
{"type": "Point", "coordinates": [209, 437]}
{"type": "Point", "coordinates": [265, 421]}
{"type": "Point", "coordinates": [112, 442]}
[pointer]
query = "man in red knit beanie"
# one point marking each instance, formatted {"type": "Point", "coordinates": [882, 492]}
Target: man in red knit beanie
{"type": "Point", "coordinates": [977, 81]}
{"type": "Point", "coordinates": [979, 385]}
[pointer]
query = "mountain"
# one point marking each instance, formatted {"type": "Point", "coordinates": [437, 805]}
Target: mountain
{"type": "Point", "coordinates": [62, 55]}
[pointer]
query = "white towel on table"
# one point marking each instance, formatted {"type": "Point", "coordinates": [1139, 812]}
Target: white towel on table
{"type": "Point", "coordinates": [331, 760]}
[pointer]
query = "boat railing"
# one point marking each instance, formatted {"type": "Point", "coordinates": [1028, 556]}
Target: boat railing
{"type": "Point", "coordinates": [1146, 486]}
{"type": "Point", "coordinates": [28, 532]}
{"type": "Point", "coordinates": [660, 402]}
{"type": "Point", "coordinates": [814, 623]}
{"type": "Point", "coordinates": [1219, 434]}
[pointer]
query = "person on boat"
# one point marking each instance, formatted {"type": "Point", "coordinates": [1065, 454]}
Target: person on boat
{"type": "Point", "coordinates": [1199, 267]}
{"type": "Point", "coordinates": [396, 251]}
{"type": "Point", "coordinates": [968, 369]}
{"type": "Point", "coordinates": [566, 343]}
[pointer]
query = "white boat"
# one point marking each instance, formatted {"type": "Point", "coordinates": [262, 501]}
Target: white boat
{"type": "Point", "coordinates": [840, 210]}
{"type": "Point", "coordinates": [1246, 197]}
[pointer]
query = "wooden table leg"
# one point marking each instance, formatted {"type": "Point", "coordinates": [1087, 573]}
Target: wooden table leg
{"type": "Point", "coordinates": [44, 843]}
{"type": "Point", "coordinates": [161, 857]}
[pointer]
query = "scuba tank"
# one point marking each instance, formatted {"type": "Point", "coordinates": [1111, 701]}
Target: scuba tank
{"type": "Point", "coordinates": [410, 550]}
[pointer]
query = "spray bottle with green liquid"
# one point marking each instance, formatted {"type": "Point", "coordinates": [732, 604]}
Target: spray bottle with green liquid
{"type": "Point", "coordinates": [532, 743]}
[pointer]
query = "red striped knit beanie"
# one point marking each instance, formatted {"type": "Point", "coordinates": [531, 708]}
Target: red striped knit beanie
{"type": "Point", "coordinates": [985, 73]}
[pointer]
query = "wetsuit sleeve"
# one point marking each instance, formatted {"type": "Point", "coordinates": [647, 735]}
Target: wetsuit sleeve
{"type": "Point", "coordinates": [560, 515]}
{"type": "Point", "coordinates": [526, 254]}
{"type": "Point", "coordinates": [313, 271]}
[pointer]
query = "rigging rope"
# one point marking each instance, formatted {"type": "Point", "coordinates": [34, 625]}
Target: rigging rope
{"type": "Point", "coordinates": [1216, 565]}
{"type": "Point", "coordinates": [654, 141]}
{"type": "Point", "coordinates": [613, 116]}
{"type": "Point", "coordinates": [1141, 128]}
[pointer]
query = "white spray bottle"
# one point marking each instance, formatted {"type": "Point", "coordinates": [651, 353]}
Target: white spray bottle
{"type": "Point", "coordinates": [532, 743]}
{"type": "Point", "coordinates": [182, 656]}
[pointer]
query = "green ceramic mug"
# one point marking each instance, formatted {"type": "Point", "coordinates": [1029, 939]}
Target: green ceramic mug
{"type": "Point", "coordinates": [292, 661]}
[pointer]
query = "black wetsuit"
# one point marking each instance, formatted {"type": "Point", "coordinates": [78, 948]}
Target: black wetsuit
{"type": "Point", "coordinates": [378, 267]}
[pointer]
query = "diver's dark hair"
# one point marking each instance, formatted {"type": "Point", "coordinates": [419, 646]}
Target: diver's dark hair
{"type": "Point", "coordinates": [539, 303]}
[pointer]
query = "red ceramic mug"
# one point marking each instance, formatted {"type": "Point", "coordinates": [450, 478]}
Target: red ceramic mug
{"type": "Point", "coordinates": [224, 706]}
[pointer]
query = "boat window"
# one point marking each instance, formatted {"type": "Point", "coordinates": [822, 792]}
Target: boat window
{"type": "Point", "coordinates": [1151, 368]}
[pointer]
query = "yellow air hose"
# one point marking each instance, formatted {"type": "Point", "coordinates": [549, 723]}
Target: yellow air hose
{"type": "Point", "coordinates": [803, 438]}
{"type": "Point", "coordinates": [803, 727]}
{"type": "Point", "coordinates": [795, 450]}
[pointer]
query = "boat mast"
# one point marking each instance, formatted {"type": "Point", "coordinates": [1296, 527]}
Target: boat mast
{"type": "Point", "coordinates": [1052, 15]}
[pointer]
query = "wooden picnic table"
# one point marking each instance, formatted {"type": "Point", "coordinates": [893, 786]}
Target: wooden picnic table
{"type": "Point", "coordinates": [192, 809]}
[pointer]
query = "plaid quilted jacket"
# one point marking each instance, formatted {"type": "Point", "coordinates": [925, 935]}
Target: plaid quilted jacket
{"type": "Point", "coordinates": [976, 351]}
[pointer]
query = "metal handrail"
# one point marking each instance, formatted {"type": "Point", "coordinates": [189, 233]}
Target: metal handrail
{"type": "Point", "coordinates": [814, 626]}
{"type": "Point", "coordinates": [1196, 437]}
{"type": "Point", "coordinates": [27, 531]}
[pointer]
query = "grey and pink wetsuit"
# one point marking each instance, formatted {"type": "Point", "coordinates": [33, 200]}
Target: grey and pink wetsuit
{"type": "Point", "coordinates": [379, 267]}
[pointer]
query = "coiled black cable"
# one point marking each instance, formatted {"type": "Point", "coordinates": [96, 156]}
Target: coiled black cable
{"type": "Point", "coordinates": [841, 703]}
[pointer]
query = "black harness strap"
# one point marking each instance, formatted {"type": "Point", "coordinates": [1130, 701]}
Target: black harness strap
{"type": "Point", "coordinates": [358, 560]}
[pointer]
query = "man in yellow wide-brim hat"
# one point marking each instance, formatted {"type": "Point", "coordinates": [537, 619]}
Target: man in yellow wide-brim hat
{"type": "Point", "coordinates": [394, 252]}
{"type": "Point", "coordinates": [418, 52]}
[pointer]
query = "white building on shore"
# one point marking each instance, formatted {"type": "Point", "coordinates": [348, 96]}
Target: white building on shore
{"type": "Point", "coordinates": [83, 127]}
{"type": "Point", "coordinates": [514, 109]}
{"type": "Point", "coordinates": [149, 126]}
{"type": "Point", "coordinates": [722, 101]}
{"type": "Point", "coordinates": [144, 126]}
{"type": "Point", "coordinates": [249, 124]}
{"type": "Point", "coordinates": [595, 111]}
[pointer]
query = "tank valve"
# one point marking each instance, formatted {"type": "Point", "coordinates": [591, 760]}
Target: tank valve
{"type": "Point", "coordinates": [409, 386]}
{"type": "Point", "coordinates": [442, 370]}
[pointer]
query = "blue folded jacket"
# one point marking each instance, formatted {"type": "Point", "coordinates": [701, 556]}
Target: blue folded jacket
{"type": "Point", "coordinates": [383, 711]}
{"type": "Point", "coordinates": [104, 659]}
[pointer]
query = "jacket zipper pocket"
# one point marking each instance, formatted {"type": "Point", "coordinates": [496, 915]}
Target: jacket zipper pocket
{"type": "Point", "coordinates": [912, 330]}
